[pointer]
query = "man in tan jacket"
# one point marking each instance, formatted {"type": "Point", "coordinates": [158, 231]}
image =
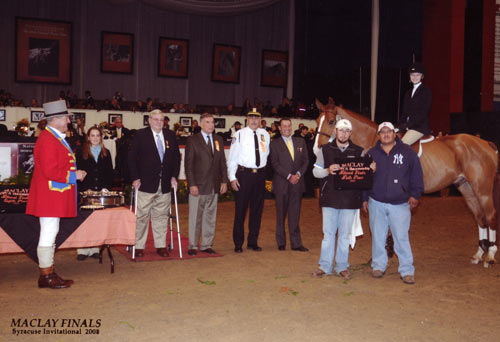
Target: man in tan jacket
{"type": "Point", "coordinates": [206, 172]}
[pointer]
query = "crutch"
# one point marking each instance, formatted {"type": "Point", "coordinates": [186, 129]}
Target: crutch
{"type": "Point", "coordinates": [133, 199]}
{"type": "Point", "coordinates": [171, 246]}
{"type": "Point", "coordinates": [177, 221]}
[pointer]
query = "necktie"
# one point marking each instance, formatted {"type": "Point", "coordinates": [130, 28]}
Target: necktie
{"type": "Point", "coordinates": [290, 148]}
{"type": "Point", "coordinates": [210, 144]}
{"type": "Point", "coordinates": [257, 154]}
{"type": "Point", "coordinates": [159, 143]}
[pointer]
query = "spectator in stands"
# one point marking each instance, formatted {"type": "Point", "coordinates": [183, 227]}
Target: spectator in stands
{"type": "Point", "coordinates": [62, 95]}
{"type": "Point", "coordinates": [216, 111]}
{"type": "Point", "coordinates": [149, 104]}
{"type": "Point", "coordinates": [246, 107]}
{"type": "Point", "coordinates": [274, 112]}
{"type": "Point", "coordinates": [284, 109]}
{"type": "Point", "coordinates": [118, 97]}
{"type": "Point", "coordinates": [71, 99]}
{"type": "Point", "coordinates": [140, 106]}
{"type": "Point", "coordinates": [174, 108]}
{"type": "Point", "coordinates": [115, 104]}
{"type": "Point", "coordinates": [229, 110]}
{"type": "Point", "coordinates": [181, 108]}
{"type": "Point", "coordinates": [106, 105]}
{"type": "Point", "coordinates": [268, 107]}
{"type": "Point", "coordinates": [89, 100]}
{"type": "Point", "coordinates": [164, 107]}
{"type": "Point", "coordinates": [34, 103]}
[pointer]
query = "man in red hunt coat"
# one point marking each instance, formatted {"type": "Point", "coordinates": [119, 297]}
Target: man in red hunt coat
{"type": "Point", "coordinates": [53, 189]}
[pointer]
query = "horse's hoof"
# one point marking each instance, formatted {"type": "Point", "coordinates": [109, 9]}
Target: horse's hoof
{"type": "Point", "coordinates": [487, 264]}
{"type": "Point", "coordinates": [475, 261]}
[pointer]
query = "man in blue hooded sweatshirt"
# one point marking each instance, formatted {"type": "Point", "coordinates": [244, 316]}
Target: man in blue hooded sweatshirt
{"type": "Point", "coordinates": [397, 185]}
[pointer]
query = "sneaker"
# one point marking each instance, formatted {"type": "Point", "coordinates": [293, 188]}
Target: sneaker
{"type": "Point", "coordinates": [378, 274]}
{"type": "Point", "coordinates": [408, 279]}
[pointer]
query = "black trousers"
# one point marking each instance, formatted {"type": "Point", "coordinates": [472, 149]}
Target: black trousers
{"type": "Point", "coordinates": [251, 193]}
{"type": "Point", "coordinates": [288, 204]}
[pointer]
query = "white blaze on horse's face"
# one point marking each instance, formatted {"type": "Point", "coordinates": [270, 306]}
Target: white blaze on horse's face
{"type": "Point", "coordinates": [416, 77]}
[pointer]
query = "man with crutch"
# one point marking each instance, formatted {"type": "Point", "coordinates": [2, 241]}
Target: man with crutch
{"type": "Point", "coordinates": [154, 164]}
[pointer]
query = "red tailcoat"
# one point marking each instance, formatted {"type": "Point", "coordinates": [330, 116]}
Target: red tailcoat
{"type": "Point", "coordinates": [53, 186]}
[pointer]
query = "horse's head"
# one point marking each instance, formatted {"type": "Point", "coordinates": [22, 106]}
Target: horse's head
{"type": "Point", "coordinates": [326, 121]}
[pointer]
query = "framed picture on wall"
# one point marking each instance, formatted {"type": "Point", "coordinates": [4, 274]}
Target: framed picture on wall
{"type": "Point", "coordinates": [220, 123]}
{"type": "Point", "coordinates": [145, 120]}
{"type": "Point", "coordinates": [185, 121]}
{"type": "Point", "coordinates": [173, 57]}
{"type": "Point", "coordinates": [43, 51]}
{"type": "Point", "coordinates": [2, 115]}
{"type": "Point", "coordinates": [117, 52]}
{"type": "Point", "coordinates": [274, 70]}
{"type": "Point", "coordinates": [226, 63]}
{"type": "Point", "coordinates": [112, 118]}
{"type": "Point", "coordinates": [37, 116]}
{"type": "Point", "coordinates": [77, 115]}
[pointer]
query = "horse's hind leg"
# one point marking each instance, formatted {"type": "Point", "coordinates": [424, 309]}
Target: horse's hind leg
{"type": "Point", "coordinates": [485, 239]}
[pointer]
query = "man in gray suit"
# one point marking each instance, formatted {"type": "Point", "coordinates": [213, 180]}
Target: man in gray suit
{"type": "Point", "coordinates": [289, 160]}
{"type": "Point", "coordinates": [206, 172]}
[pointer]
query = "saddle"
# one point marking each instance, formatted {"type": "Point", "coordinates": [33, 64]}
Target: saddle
{"type": "Point", "coordinates": [417, 146]}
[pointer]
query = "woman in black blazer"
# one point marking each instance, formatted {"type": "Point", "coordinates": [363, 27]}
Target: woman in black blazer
{"type": "Point", "coordinates": [95, 159]}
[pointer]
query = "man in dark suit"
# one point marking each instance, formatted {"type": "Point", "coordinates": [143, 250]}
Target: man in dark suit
{"type": "Point", "coordinates": [121, 135]}
{"type": "Point", "coordinates": [206, 172]}
{"type": "Point", "coordinates": [289, 158]}
{"type": "Point", "coordinates": [154, 163]}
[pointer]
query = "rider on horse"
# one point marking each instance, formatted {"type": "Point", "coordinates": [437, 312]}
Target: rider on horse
{"type": "Point", "coordinates": [416, 106]}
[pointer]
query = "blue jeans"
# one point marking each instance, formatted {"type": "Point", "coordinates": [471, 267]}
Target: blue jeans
{"type": "Point", "coordinates": [333, 219]}
{"type": "Point", "coordinates": [398, 217]}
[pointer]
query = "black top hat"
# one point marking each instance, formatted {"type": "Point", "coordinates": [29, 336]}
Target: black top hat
{"type": "Point", "coordinates": [417, 67]}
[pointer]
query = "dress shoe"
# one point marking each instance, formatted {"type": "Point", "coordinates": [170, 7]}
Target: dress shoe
{"type": "Point", "coordinates": [69, 281]}
{"type": "Point", "coordinates": [208, 250]}
{"type": "Point", "coordinates": [139, 253]}
{"type": "Point", "coordinates": [318, 273]}
{"type": "Point", "coordinates": [95, 256]}
{"type": "Point", "coordinates": [255, 248]}
{"type": "Point", "coordinates": [281, 248]}
{"type": "Point", "coordinates": [378, 274]}
{"type": "Point", "coordinates": [162, 252]}
{"type": "Point", "coordinates": [238, 250]}
{"type": "Point", "coordinates": [81, 257]}
{"type": "Point", "coordinates": [49, 279]}
{"type": "Point", "coordinates": [301, 249]}
{"type": "Point", "coordinates": [408, 279]}
{"type": "Point", "coordinates": [192, 251]}
{"type": "Point", "coordinates": [345, 274]}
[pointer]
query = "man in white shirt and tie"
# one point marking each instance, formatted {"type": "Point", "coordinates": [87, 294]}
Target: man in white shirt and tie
{"type": "Point", "coordinates": [246, 171]}
{"type": "Point", "coordinates": [154, 164]}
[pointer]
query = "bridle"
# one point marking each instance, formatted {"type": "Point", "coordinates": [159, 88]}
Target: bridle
{"type": "Point", "coordinates": [323, 115]}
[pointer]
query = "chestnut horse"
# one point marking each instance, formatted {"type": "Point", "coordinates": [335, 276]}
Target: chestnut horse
{"type": "Point", "coordinates": [466, 161]}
